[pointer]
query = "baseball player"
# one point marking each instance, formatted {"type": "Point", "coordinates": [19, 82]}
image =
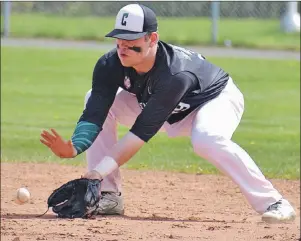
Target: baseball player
{"type": "Point", "coordinates": [151, 86]}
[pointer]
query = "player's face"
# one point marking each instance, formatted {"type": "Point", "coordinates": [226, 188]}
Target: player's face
{"type": "Point", "coordinates": [130, 56]}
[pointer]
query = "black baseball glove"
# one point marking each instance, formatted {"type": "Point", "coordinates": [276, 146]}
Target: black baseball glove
{"type": "Point", "coordinates": [76, 199]}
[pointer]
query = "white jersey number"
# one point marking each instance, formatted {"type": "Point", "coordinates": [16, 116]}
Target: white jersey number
{"type": "Point", "coordinates": [181, 107]}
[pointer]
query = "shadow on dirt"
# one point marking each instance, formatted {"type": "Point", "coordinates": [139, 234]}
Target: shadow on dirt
{"type": "Point", "coordinates": [151, 218]}
{"type": "Point", "coordinates": [191, 220]}
{"type": "Point", "coordinates": [27, 216]}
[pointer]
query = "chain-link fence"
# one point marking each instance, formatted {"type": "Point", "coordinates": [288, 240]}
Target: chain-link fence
{"type": "Point", "coordinates": [166, 9]}
{"type": "Point", "coordinates": [234, 11]}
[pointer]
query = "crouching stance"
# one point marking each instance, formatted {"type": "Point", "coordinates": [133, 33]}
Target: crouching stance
{"type": "Point", "coordinates": [151, 86]}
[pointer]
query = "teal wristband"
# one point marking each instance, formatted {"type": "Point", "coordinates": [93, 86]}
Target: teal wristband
{"type": "Point", "coordinates": [84, 135]}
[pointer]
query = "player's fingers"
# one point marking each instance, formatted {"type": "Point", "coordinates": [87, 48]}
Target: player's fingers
{"type": "Point", "coordinates": [45, 143]}
{"type": "Point", "coordinates": [55, 133]}
{"type": "Point", "coordinates": [47, 137]}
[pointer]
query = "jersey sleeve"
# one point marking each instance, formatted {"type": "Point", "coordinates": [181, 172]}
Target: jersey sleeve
{"type": "Point", "coordinates": [104, 89]}
{"type": "Point", "coordinates": [165, 98]}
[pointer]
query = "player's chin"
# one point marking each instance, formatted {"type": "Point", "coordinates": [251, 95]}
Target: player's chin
{"type": "Point", "coordinates": [126, 63]}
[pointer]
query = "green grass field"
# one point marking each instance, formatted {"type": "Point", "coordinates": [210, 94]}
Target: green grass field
{"type": "Point", "coordinates": [252, 33]}
{"type": "Point", "coordinates": [44, 88]}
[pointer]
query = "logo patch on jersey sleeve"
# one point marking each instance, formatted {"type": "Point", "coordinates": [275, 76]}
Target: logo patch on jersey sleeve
{"type": "Point", "coordinates": [127, 82]}
{"type": "Point", "coordinates": [142, 105]}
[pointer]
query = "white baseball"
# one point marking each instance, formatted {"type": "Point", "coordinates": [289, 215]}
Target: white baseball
{"type": "Point", "coordinates": [23, 195]}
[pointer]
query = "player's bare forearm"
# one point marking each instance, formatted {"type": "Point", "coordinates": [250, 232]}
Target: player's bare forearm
{"type": "Point", "coordinates": [126, 148]}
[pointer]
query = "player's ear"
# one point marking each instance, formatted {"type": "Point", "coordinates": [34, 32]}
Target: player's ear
{"type": "Point", "coordinates": [154, 38]}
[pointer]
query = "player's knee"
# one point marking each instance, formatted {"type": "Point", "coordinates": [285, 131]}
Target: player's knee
{"type": "Point", "coordinates": [203, 144]}
{"type": "Point", "coordinates": [87, 96]}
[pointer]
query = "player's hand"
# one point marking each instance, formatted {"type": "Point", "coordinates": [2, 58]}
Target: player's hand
{"type": "Point", "coordinates": [92, 175]}
{"type": "Point", "coordinates": [57, 144]}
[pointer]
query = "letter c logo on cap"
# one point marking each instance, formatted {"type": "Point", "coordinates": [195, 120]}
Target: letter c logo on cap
{"type": "Point", "coordinates": [123, 22]}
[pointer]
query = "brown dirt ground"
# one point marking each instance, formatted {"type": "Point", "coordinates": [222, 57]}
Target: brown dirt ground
{"type": "Point", "coordinates": [159, 206]}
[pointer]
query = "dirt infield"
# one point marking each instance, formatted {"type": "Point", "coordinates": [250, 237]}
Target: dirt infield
{"type": "Point", "coordinates": [159, 206]}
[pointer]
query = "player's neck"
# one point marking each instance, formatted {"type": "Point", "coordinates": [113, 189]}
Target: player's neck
{"type": "Point", "coordinates": [148, 63]}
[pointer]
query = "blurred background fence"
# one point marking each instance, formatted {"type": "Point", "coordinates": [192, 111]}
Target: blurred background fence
{"type": "Point", "coordinates": [186, 22]}
{"type": "Point", "coordinates": [165, 9]}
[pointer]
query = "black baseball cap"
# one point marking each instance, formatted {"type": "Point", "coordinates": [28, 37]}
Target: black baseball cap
{"type": "Point", "coordinates": [133, 21]}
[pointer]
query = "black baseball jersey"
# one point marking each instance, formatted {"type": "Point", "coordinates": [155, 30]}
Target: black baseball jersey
{"type": "Point", "coordinates": [179, 82]}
